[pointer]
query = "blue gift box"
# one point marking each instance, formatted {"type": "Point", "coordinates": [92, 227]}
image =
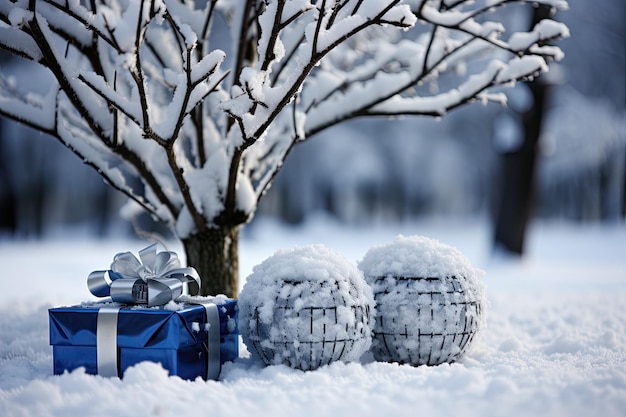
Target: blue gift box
{"type": "Point", "coordinates": [176, 335]}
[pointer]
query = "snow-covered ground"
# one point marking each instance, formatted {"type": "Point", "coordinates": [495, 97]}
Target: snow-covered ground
{"type": "Point", "coordinates": [554, 345]}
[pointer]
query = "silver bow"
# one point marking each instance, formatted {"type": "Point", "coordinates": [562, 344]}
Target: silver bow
{"type": "Point", "coordinates": [154, 280]}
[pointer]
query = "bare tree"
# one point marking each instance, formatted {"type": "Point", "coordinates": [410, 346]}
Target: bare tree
{"type": "Point", "coordinates": [517, 172]}
{"type": "Point", "coordinates": [194, 134]}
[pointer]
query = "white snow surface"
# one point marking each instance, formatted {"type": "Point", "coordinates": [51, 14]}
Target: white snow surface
{"type": "Point", "coordinates": [554, 344]}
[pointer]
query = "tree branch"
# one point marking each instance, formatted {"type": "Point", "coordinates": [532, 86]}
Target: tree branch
{"type": "Point", "coordinates": [306, 70]}
{"type": "Point", "coordinates": [275, 75]}
{"type": "Point", "coordinates": [271, 44]}
{"type": "Point", "coordinates": [318, 28]}
{"type": "Point", "coordinates": [51, 62]}
{"type": "Point", "coordinates": [244, 44]}
{"type": "Point", "coordinates": [197, 114]}
{"type": "Point", "coordinates": [137, 75]}
{"type": "Point", "coordinates": [82, 23]}
{"type": "Point", "coordinates": [113, 104]}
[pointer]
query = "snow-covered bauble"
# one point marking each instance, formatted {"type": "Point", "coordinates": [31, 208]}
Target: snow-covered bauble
{"type": "Point", "coordinates": [430, 301]}
{"type": "Point", "coordinates": [305, 308]}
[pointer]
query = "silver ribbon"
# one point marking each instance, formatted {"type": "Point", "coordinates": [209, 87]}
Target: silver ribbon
{"type": "Point", "coordinates": [214, 362]}
{"type": "Point", "coordinates": [154, 280]}
{"type": "Point", "coordinates": [106, 341]}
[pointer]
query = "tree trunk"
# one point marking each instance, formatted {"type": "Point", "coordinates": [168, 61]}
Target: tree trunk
{"type": "Point", "coordinates": [624, 192]}
{"type": "Point", "coordinates": [8, 198]}
{"type": "Point", "coordinates": [516, 197]}
{"type": "Point", "coordinates": [214, 253]}
{"type": "Point", "coordinates": [518, 169]}
{"type": "Point", "coordinates": [518, 176]}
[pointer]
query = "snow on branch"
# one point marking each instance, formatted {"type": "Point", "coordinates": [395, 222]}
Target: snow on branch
{"type": "Point", "coordinates": [533, 42]}
{"type": "Point", "coordinates": [14, 41]}
{"type": "Point", "coordinates": [376, 72]}
{"type": "Point", "coordinates": [342, 90]}
{"type": "Point", "coordinates": [259, 98]}
{"type": "Point", "coordinates": [193, 121]}
{"type": "Point", "coordinates": [437, 105]}
{"type": "Point", "coordinates": [111, 62]}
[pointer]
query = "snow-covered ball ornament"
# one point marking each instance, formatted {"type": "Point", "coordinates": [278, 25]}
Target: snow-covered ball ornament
{"type": "Point", "coordinates": [305, 308]}
{"type": "Point", "coordinates": [430, 301]}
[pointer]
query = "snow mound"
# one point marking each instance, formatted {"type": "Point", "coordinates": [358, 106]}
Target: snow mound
{"type": "Point", "coordinates": [305, 308]}
{"type": "Point", "coordinates": [430, 301]}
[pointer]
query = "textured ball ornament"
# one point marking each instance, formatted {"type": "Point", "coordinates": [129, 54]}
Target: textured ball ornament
{"type": "Point", "coordinates": [430, 301]}
{"type": "Point", "coordinates": [306, 308]}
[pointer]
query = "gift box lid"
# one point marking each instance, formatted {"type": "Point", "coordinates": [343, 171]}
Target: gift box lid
{"type": "Point", "coordinates": [166, 327]}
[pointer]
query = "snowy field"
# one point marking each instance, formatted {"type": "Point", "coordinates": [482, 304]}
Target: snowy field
{"type": "Point", "coordinates": [554, 345]}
